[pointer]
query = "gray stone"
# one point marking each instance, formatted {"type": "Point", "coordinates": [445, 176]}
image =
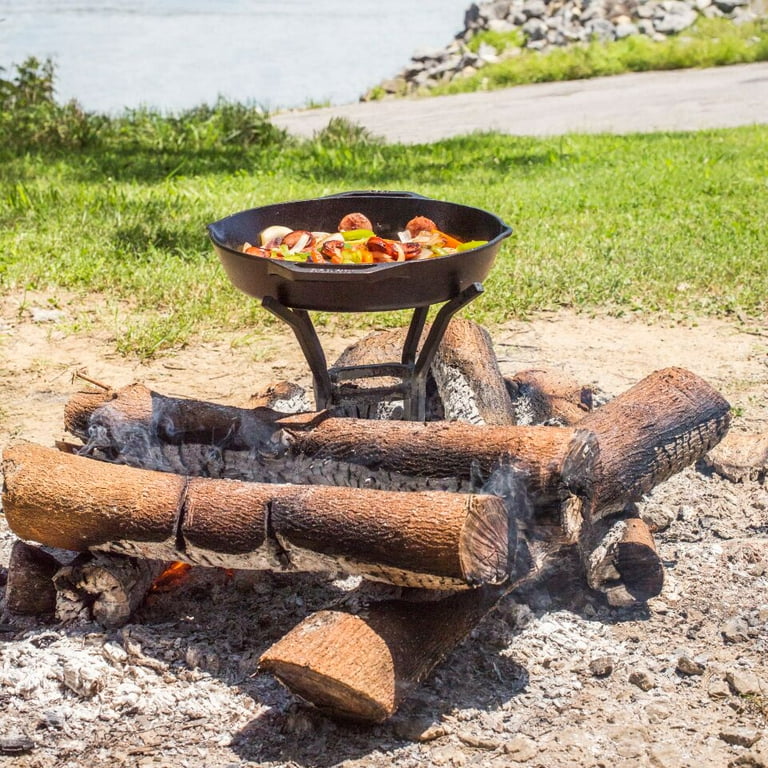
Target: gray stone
{"type": "Point", "coordinates": [600, 29]}
{"type": "Point", "coordinates": [535, 9]}
{"type": "Point", "coordinates": [601, 666]}
{"type": "Point", "coordinates": [521, 749]}
{"type": "Point", "coordinates": [687, 666]}
{"type": "Point", "coordinates": [535, 29]}
{"type": "Point", "coordinates": [673, 16]}
{"type": "Point", "coordinates": [626, 30]}
{"type": "Point", "coordinates": [735, 630]}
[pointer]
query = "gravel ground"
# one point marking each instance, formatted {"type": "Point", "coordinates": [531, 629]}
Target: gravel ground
{"type": "Point", "coordinates": [553, 677]}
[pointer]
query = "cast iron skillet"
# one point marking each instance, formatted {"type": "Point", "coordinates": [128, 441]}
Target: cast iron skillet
{"type": "Point", "coordinates": [359, 287]}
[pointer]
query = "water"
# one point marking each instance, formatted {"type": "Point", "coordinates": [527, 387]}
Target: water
{"type": "Point", "coordinates": [176, 54]}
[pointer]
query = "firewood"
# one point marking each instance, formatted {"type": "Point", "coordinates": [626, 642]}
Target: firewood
{"type": "Point", "coordinates": [740, 456]}
{"type": "Point", "coordinates": [430, 539]}
{"type": "Point", "coordinates": [106, 588]}
{"type": "Point", "coordinates": [644, 445]}
{"type": "Point", "coordinates": [146, 429]}
{"type": "Point", "coordinates": [361, 663]}
{"type": "Point", "coordinates": [464, 383]}
{"type": "Point", "coordinates": [542, 395]}
{"type": "Point", "coordinates": [621, 561]}
{"type": "Point", "coordinates": [30, 590]}
{"type": "Point", "coordinates": [664, 423]}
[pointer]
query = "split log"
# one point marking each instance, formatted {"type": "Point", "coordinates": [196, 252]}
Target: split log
{"type": "Point", "coordinates": [467, 376]}
{"type": "Point", "coordinates": [542, 395]}
{"type": "Point", "coordinates": [30, 590]}
{"type": "Point", "coordinates": [664, 423]}
{"type": "Point", "coordinates": [430, 539]}
{"type": "Point", "coordinates": [465, 383]}
{"type": "Point", "coordinates": [740, 456]}
{"type": "Point", "coordinates": [104, 588]}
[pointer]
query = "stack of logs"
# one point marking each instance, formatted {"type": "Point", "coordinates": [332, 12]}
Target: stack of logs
{"type": "Point", "coordinates": [511, 476]}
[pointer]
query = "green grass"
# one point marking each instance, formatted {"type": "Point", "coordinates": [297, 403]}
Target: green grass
{"type": "Point", "coordinates": [709, 43]}
{"type": "Point", "coordinates": [660, 223]}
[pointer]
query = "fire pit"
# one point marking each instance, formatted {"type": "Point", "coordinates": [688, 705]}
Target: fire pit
{"type": "Point", "coordinates": [290, 289]}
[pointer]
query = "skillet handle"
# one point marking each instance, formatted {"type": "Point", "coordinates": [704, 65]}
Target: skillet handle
{"type": "Point", "coordinates": [375, 193]}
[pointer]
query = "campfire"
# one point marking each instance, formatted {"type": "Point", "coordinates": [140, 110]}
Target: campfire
{"type": "Point", "coordinates": [488, 486]}
{"type": "Point", "coordinates": [453, 513]}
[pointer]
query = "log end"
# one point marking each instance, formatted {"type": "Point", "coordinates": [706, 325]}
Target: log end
{"type": "Point", "coordinates": [352, 679]}
{"type": "Point", "coordinates": [488, 541]}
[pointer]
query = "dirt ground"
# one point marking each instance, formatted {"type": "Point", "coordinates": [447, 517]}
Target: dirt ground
{"type": "Point", "coordinates": [562, 680]}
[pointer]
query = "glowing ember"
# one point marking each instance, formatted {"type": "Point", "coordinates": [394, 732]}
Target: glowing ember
{"type": "Point", "coordinates": [174, 575]}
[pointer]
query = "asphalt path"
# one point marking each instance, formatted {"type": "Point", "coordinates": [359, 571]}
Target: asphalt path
{"type": "Point", "coordinates": [680, 100]}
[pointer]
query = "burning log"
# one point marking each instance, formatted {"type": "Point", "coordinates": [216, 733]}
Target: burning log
{"type": "Point", "coordinates": [664, 423]}
{"type": "Point", "coordinates": [30, 590]}
{"type": "Point", "coordinates": [106, 588]}
{"type": "Point", "coordinates": [465, 382]}
{"type": "Point", "coordinates": [361, 663]}
{"type": "Point", "coordinates": [620, 560]}
{"type": "Point", "coordinates": [429, 539]}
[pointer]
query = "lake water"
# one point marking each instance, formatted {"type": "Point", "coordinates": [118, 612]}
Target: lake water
{"type": "Point", "coordinates": [177, 54]}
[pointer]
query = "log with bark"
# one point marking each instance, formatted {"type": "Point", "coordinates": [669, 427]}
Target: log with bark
{"type": "Point", "coordinates": [644, 443]}
{"type": "Point", "coordinates": [143, 428]}
{"type": "Point", "coordinates": [464, 382]}
{"type": "Point", "coordinates": [431, 539]}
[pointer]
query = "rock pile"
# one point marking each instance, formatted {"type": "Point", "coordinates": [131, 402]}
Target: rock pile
{"type": "Point", "coordinates": [544, 24]}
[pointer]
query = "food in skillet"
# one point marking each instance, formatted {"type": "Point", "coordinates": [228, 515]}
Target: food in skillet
{"type": "Point", "coordinates": [355, 242]}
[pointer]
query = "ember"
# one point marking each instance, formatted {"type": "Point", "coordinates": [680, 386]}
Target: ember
{"type": "Point", "coordinates": [174, 575]}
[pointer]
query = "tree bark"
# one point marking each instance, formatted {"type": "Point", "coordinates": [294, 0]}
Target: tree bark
{"type": "Point", "coordinates": [145, 429]}
{"type": "Point", "coordinates": [30, 590]}
{"type": "Point", "coordinates": [661, 425]}
{"type": "Point", "coordinates": [430, 539]}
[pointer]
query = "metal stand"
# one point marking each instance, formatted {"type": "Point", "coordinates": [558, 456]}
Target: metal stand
{"type": "Point", "coordinates": [412, 370]}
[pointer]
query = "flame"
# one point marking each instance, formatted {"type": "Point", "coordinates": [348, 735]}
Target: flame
{"type": "Point", "coordinates": [171, 577]}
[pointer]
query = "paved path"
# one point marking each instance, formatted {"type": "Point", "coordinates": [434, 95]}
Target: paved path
{"type": "Point", "coordinates": [681, 100]}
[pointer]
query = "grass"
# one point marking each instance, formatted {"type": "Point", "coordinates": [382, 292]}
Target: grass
{"type": "Point", "coordinates": [660, 223]}
{"type": "Point", "coordinates": [708, 43]}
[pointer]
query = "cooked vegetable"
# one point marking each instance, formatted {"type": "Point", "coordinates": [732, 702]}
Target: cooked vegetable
{"type": "Point", "coordinates": [355, 242]}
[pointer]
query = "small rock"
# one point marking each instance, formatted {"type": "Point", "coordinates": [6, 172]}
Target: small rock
{"type": "Point", "coordinates": [740, 737]}
{"type": "Point", "coordinates": [521, 749]}
{"type": "Point", "coordinates": [743, 683]}
{"type": "Point", "coordinates": [687, 666]}
{"type": "Point", "coordinates": [642, 680]}
{"type": "Point", "coordinates": [719, 689]}
{"type": "Point", "coordinates": [40, 315]}
{"type": "Point", "coordinates": [601, 666]}
{"type": "Point", "coordinates": [418, 729]}
{"type": "Point", "coordinates": [735, 630]}
{"type": "Point", "coordinates": [15, 744]}
{"type": "Point", "coordinates": [757, 757]}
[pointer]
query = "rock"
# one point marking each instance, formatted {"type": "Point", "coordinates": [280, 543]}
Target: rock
{"type": "Point", "coordinates": [422, 729]}
{"type": "Point", "coordinates": [687, 666]}
{"type": "Point", "coordinates": [521, 749]}
{"type": "Point", "coordinates": [601, 29]}
{"type": "Point", "coordinates": [601, 666]}
{"type": "Point", "coordinates": [15, 744]}
{"type": "Point", "coordinates": [739, 456]}
{"type": "Point", "coordinates": [673, 16]}
{"type": "Point", "coordinates": [740, 737]}
{"type": "Point", "coordinates": [735, 630]}
{"type": "Point", "coordinates": [744, 683]}
{"type": "Point", "coordinates": [642, 679]}
{"type": "Point", "coordinates": [535, 9]}
{"type": "Point", "coordinates": [757, 757]}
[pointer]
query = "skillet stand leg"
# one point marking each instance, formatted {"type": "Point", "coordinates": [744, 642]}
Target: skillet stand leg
{"type": "Point", "coordinates": [305, 333]}
{"type": "Point", "coordinates": [415, 403]}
